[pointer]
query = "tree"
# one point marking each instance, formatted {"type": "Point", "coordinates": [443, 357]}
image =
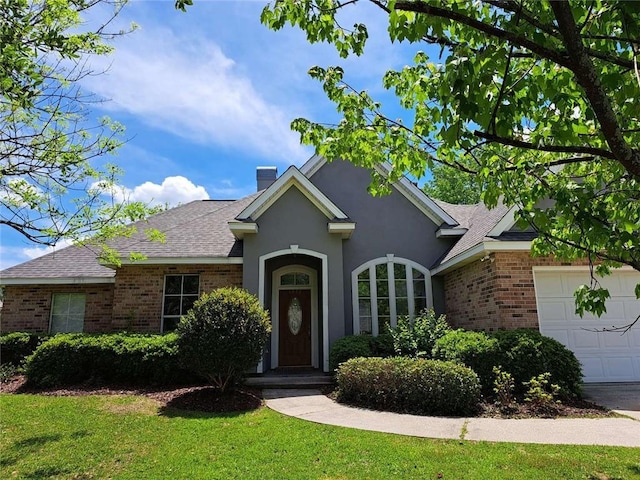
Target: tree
{"type": "Point", "coordinates": [50, 186]}
{"type": "Point", "coordinates": [453, 185]}
{"type": "Point", "coordinates": [538, 99]}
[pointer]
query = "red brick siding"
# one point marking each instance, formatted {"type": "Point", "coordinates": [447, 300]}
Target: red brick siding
{"type": "Point", "coordinates": [137, 304]}
{"type": "Point", "coordinates": [497, 293]}
{"type": "Point", "coordinates": [28, 308]}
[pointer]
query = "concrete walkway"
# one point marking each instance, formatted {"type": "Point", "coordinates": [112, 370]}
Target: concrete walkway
{"type": "Point", "coordinates": [311, 405]}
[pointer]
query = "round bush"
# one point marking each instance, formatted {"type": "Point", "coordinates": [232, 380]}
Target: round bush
{"type": "Point", "coordinates": [223, 335]}
{"type": "Point", "coordinates": [349, 347]}
{"type": "Point", "coordinates": [476, 350]}
{"type": "Point", "coordinates": [409, 385]}
{"type": "Point", "coordinates": [527, 353]}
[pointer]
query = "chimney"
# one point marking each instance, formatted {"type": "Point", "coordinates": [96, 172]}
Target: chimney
{"type": "Point", "coordinates": [266, 176]}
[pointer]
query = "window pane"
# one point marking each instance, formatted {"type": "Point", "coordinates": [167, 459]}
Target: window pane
{"type": "Point", "coordinates": [288, 279]}
{"type": "Point", "coordinates": [418, 288]}
{"type": "Point", "coordinates": [399, 271]}
{"type": "Point", "coordinates": [402, 306]}
{"type": "Point", "coordinates": [401, 288]}
{"type": "Point", "coordinates": [417, 274]}
{"type": "Point", "coordinates": [381, 271]}
{"type": "Point", "coordinates": [75, 324]}
{"type": "Point", "coordinates": [76, 305]}
{"type": "Point", "coordinates": [173, 284]}
{"type": "Point", "coordinates": [384, 324]}
{"type": "Point", "coordinates": [172, 305]}
{"type": "Point", "coordinates": [187, 303]}
{"type": "Point", "coordinates": [302, 279]}
{"type": "Point", "coordinates": [382, 288]}
{"type": "Point", "coordinates": [420, 304]}
{"type": "Point", "coordinates": [170, 323]}
{"type": "Point", "coordinates": [364, 289]}
{"type": "Point", "coordinates": [60, 305]}
{"type": "Point", "coordinates": [365, 325]}
{"type": "Point", "coordinates": [67, 312]}
{"type": "Point", "coordinates": [364, 275]}
{"type": "Point", "coordinates": [191, 284]}
{"type": "Point", "coordinates": [364, 308]}
{"type": "Point", "coordinates": [383, 307]}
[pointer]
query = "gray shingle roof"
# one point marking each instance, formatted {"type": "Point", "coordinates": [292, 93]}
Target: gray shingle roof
{"type": "Point", "coordinates": [196, 229]}
{"type": "Point", "coordinates": [479, 221]}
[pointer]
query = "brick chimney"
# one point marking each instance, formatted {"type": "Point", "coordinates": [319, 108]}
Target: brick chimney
{"type": "Point", "coordinates": [266, 176]}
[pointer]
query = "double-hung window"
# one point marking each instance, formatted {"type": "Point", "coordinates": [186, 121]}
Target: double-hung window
{"type": "Point", "coordinates": [67, 312]}
{"type": "Point", "coordinates": [180, 293]}
{"type": "Point", "coordinates": [385, 289]}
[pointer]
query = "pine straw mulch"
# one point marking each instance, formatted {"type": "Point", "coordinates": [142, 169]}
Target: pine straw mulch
{"type": "Point", "coordinates": [198, 398]}
{"type": "Point", "coordinates": [202, 398]}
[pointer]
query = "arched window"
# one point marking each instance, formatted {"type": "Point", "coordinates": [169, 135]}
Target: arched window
{"type": "Point", "coordinates": [386, 288]}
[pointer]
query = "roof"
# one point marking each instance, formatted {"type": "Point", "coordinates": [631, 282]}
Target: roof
{"type": "Point", "coordinates": [207, 221]}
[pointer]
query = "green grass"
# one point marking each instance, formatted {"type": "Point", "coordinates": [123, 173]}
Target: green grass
{"type": "Point", "coordinates": [127, 437]}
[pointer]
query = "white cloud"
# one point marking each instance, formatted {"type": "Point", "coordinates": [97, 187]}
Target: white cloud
{"type": "Point", "coordinates": [186, 85]}
{"type": "Point", "coordinates": [35, 252]}
{"type": "Point", "coordinates": [172, 191]}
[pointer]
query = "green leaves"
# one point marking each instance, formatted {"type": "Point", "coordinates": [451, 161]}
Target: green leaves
{"type": "Point", "coordinates": [508, 103]}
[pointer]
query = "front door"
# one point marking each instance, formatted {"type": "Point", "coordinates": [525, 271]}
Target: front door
{"type": "Point", "coordinates": [294, 345]}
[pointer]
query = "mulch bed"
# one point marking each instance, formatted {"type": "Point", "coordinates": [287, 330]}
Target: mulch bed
{"type": "Point", "coordinates": [201, 398]}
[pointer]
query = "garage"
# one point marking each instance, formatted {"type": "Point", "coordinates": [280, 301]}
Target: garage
{"type": "Point", "coordinates": [605, 356]}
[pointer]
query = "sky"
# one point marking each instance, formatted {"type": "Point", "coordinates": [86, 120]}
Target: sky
{"type": "Point", "coordinates": [208, 95]}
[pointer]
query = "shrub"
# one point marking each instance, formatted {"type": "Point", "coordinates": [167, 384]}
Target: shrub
{"type": "Point", "coordinates": [476, 350]}
{"type": "Point", "coordinates": [409, 385]}
{"type": "Point", "coordinates": [349, 347]}
{"type": "Point", "coordinates": [382, 345]}
{"type": "Point", "coordinates": [416, 338]}
{"type": "Point", "coordinates": [16, 346]}
{"type": "Point", "coordinates": [527, 354]}
{"type": "Point", "coordinates": [540, 393]}
{"type": "Point", "coordinates": [223, 335]}
{"type": "Point", "coordinates": [68, 359]}
{"type": "Point", "coordinates": [503, 388]}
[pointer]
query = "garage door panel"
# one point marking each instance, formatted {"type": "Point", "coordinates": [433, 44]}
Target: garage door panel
{"type": "Point", "coordinates": [605, 356]}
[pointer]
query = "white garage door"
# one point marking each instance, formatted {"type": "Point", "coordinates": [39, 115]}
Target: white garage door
{"type": "Point", "coordinates": [605, 356]}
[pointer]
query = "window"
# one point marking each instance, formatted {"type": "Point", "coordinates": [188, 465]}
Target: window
{"type": "Point", "coordinates": [180, 292]}
{"type": "Point", "coordinates": [67, 312]}
{"type": "Point", "coordinates": [385, 289]}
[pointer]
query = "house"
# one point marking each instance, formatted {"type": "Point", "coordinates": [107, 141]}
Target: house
{"type": "Point", "coordinates": [328, 260]}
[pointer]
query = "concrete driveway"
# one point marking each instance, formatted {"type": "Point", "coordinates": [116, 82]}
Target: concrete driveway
{"type": "Point", "coordinates": [621, 397]}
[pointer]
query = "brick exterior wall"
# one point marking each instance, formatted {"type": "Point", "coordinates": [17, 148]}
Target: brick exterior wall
{"type": "Point", "coordinates": [137, 300]}
{"type": "Point", "coordinates": [495, 294]}
{"type": "Point", "coordinates": [27, 308]}
{"type": "Point", "coordinates": [133, 303]}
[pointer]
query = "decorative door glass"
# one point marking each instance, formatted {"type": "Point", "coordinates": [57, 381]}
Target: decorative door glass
{"type": "Point", "coordinates": [294, 316]}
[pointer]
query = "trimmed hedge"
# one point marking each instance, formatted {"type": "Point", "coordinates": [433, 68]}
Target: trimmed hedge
{"type": "Point", "coordinates": [138, 359]}
{"type": "Point", "coordinates": [408, 385]}
{"type": "Point", "coordinates": [522, 353]}
{"type": "Point", "coordinates": [16, 346]}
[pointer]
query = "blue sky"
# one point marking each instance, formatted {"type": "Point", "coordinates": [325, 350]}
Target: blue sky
{"type": "Point", "coordinates": [208, 95]}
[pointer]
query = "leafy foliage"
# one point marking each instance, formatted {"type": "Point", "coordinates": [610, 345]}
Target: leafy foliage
{"type": "Point", "coordinates": [223, 335]}
{"type": "Point", "coordinates": [477, 350]}
{"type": "Point", "coordinates": [539, 392]}
{"type": "Point", "coordinates": [16, 346]}
{"type": "Point", "coordinates": [50, 187]}
{"type": "Point", "coordinates": [407, 385]}
{"type": "Point", "coordinates": [346, 348]}
{"type": "Point", "coordinates": [524, 354]}
{"type": "Point", "coordinates": [452, 185]}
{"type": "Point", "coordinates": [68, 359]}
{"type": "Point", "coordinates": [538, 100]}
{"type": "Point", "coordinates": [417, 337]}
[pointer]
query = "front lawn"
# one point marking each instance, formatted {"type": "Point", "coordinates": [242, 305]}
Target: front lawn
{"type": "Point", "coordinates": [131, 437]}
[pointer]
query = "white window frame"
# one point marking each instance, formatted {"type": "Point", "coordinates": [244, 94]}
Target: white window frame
{"type": "Point", "coordinates": [68, 296]}
{"type": "Point", "coordinates": [390, 260]}
{"type": "Point", "coordinates": [164, 294]}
